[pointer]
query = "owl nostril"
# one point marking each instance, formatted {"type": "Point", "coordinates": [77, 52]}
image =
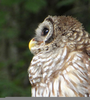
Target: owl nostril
{"type": "Point", "coordinates": [33, 39]}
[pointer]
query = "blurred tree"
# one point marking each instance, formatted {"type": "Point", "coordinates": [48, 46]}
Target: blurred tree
{"type": "Point", "coordinates": [18, 19]}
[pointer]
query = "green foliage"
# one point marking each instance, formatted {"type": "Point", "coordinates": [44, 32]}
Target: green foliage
{"type": "Point", "coordinates": [2, 18]}
{"type": "Point", "coordinates": [10, 2]}
{"type": "Point", "coordinates": [35, 5]}
{"type": "Point", "coordinates": [65, 3]}
{"type": "Point", "coordinates": [9, 88]}
{"type": "Point", "coordinates": [18, 20]}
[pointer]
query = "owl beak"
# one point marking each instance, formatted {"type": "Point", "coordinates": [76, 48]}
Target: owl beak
{"type": "Point", "coordinates": [32, 43]}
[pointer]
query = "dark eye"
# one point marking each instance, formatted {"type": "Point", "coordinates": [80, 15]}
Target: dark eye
{"type": "Point", "coordinates": [45, 31]}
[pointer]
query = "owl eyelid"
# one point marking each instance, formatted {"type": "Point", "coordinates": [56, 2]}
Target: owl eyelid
{"type": "Point", "coordinates": [45, 31]}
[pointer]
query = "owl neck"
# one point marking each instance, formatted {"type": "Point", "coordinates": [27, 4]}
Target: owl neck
{"type": "Point", "coordinates": [43, 62]}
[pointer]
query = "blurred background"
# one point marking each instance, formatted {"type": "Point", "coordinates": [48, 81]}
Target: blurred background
{"type": "Point", "coordinates": [18, 20]}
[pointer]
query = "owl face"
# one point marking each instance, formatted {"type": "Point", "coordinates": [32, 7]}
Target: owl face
{"type": "Point", "coordinates": [54, 32]}
{"type": "Point", "coordinates": [43, 37]}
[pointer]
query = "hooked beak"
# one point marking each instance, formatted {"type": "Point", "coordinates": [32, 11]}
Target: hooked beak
{"type": "Point", "coordinates": [32, 43]}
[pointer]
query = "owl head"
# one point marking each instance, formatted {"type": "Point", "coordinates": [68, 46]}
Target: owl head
{"type": "Point", "coordinates": [54, 32]}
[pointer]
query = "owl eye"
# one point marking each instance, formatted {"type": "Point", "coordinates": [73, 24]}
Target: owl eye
{"type": "Point", "coordinates": [45, 31]}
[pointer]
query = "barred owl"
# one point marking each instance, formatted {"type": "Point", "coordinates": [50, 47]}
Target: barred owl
{"type": "Point", "coordinates": [61, 63]}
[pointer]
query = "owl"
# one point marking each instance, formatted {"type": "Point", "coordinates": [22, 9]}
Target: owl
{"type": "Point", "coordinates": [61, 63]}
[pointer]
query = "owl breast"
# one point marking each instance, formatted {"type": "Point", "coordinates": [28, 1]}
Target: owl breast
{"type": "Point", "coordinates": [58, 74]}
{"type": "Point", "coordinates": [43, 65]}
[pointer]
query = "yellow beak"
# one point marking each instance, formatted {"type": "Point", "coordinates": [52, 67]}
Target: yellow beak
{"type": "Point", "coordinates": [32, 43]}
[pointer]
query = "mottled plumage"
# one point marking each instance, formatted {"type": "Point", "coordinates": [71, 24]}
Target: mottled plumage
{"type": "Point", "coordinates": [61, 63]}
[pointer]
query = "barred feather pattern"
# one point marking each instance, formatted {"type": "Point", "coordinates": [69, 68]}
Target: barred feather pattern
{"type": "Point", "coordinates": [60, 73]}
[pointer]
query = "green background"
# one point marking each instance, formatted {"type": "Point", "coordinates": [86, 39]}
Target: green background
{"type": "Point", "coordinates": [18, 20]}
